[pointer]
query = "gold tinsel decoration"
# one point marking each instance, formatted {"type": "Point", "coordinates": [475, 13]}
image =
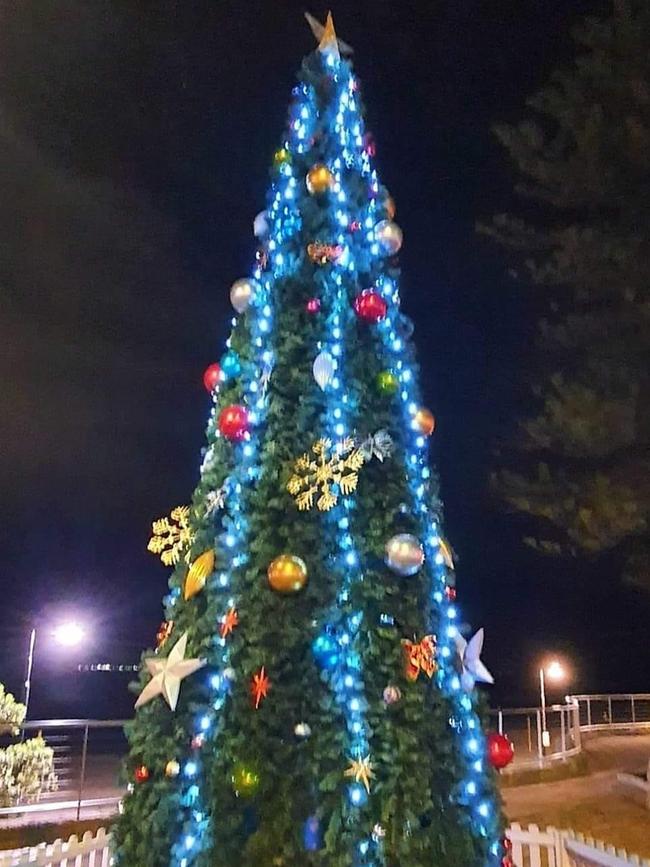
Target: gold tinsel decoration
{"type": "Point", "coordinates": [318, 473]}
{"type": "Point", "coordinates": [171, 536]}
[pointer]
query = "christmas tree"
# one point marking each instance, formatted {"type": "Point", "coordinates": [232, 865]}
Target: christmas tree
{"type": "Point", "coordinates": [311, 700]}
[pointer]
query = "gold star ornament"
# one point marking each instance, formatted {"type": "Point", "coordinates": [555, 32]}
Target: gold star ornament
{"type": "Point", "coordinates": [361, 771]}
{"type": "Point", "coordinates": [328, 43]}
{"type": "Point", "coordinates": [167, 674]}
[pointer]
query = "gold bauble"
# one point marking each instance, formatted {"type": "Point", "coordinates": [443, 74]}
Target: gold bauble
{"type": "Point", "coordinates": [424, 421]}
{"type": "Point", "coordinates": [319, 179]}
{"type": "Point", "coordinates": [172, 769]}
{"type": "Point", "coordinates": [389, 205]}
{"type": "Point", "coordinates": [199, 572]}
{"type": "Point", "coordinates": [287, 574]}
{"type": "Point", "coordinates": [281, 156]}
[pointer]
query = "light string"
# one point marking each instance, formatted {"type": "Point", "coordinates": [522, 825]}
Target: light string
{"type": "Point", "coordinates": [283, 221]}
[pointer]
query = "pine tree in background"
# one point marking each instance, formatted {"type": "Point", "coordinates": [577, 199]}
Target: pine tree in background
{"type": "Point", "coordinates": [312, 701]}
{"type": "Point", "coordinates": [580, 464]}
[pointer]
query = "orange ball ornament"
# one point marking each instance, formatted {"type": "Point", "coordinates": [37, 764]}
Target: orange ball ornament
{"type": "Point", "coordinates": [424, 421]}
{"type": "Point", "coordinates": [319, 179]}
{"type": "Point", "coordinates": [287, 574]}
{"type": "Point", "coordinates": [389, 204]}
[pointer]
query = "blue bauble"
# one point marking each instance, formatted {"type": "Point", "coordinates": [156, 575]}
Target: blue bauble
{"type": "Point", "coordinates": [230, 364]}
{"type": "Point", "coordinates": [326, 651]}
{"type": "Point", "coordinates": [311, 834]}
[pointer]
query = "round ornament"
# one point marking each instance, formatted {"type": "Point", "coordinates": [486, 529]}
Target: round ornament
{"type": "Point", "coordinates": [245, 780]}
{"type": "Point", "coordinates": [370, 306]}
{"type": "Point", "coordinates": [172, 769]}
{"type": "Point", "coordinates": [387, 382]}
{"type": "Point", "coordinates": [389, 236]}
{"type": "Point", "coordinates": [230, 364]}
{"type": "Point", "coordinates": [323, 369]}
{"type": "Point", "coordinates": [141, 774]}
{"type": "Point", "coordinates": [261, 225]}
{"type": "Point", "coordinates": [212, 377]}
{"type": "Point", "coordinates": [319, 179]}
{"type": "Point", "coordinates": [392, 694]}
{"type": "Point", "coordinates": [404, 554]}
{"type": "Point", "coordinates": [424, 421]}
{"type": "Point", "coordinates": [500, 751]}
{"type": "Point", "coordinates": [287, 574]}
{"type": "Point", "coordinates": [302, 730]}
{"type": "Point", "coordinates": [242, 293]}
{"type": "Point", "coordinates": [313, 305]}
{"type": "Point", "coordinates": [281, 157]}
{"type": "Point", "coordinates": [233, 422]}
{"type": "Point", "coordinates": [389, 205]}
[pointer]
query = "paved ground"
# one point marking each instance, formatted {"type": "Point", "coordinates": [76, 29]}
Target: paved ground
{"type": "Point", "coordinates": [607, 756]}
{"type": "Point", "coordinates": [593, 804]}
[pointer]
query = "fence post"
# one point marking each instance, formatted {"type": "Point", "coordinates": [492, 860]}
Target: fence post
{"type": "Point", "coordinates": [530, 733]}
{"type": "Point", "coordinates": [82, 776]}
{"type": "Point", "coordinates": [563, 731]}
{"type": "Point", "coordinates": [633, 709]}
{"type": "Point", "coordinates": [609, 709]}
{"type": "Point", "coordinates": [540, 745]}
{"type": "Point", "coordinates": [500, 721]}
{"type": "Point", "coordinates": [589, 712]}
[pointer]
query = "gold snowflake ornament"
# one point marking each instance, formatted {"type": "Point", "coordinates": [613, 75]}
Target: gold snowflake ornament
{"type": "Point", "coordinates": [171, 536]}
{"type": "Point", "coordinates": [326, 471]}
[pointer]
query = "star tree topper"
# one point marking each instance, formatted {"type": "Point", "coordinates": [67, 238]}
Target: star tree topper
{"type": "Point", "coordinates": [166, 674]}
{"type": "Point", "coordinates": [328, 43]}
{"type": "Point", "coordinates": [470, 658]}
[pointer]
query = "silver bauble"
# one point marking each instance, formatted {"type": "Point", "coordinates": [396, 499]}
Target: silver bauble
{"type": "Point", "coordinates": [404, 554]}
{"type": "Point", "coordinates": [302, 730]}
{"type": "Point", "coordinates": [392, 694]}
{"type": "Point", "coordinates": [323, 369]}
{"type": "Point", "coordinates": [389, 236]}
{"type": "Point", "coordinates": [242, 292]}
{"type": "Point", "coordinates": [261, 225]}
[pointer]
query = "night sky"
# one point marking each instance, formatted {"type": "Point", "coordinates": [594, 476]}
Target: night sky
{"type": "Point", "coordinates": [135, 140]}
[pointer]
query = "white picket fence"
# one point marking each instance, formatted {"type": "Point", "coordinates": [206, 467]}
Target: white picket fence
{"type": "Point", "coordinates": [530, 848]}
{"type": "Point", "coordinates": [90, 851]}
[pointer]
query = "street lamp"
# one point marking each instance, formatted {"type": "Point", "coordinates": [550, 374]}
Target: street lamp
{"type": "Point", "coordinates": [556, 672]}
{"type": "Point", "coordinates": [69, 633]}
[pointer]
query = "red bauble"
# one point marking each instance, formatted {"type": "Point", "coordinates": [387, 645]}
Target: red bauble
{"type": "Point", "coordinates": [355, 226]}
{"type": "Point", "coordinates": [370, 306]}
{"type": "Point", "coordinates": [141, 774]}
{"type": "Point", "coordinates": [500, 751]}
{"type": "Point", "coordinates": [450, 593]}
{"type": "Point", "coordinates": [212, 377]}
{"type": "Point", "coordinates": [369, 144]}
{"type": "Point", "coordinates": [313, 305]}
{"type": "Point", "coordinates": [233, 422]}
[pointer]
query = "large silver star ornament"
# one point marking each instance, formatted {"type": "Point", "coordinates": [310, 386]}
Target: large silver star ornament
{"type": "Point", "coordinates": [167, 674]}
{"type": "Point", "coordinates": [470, 658]}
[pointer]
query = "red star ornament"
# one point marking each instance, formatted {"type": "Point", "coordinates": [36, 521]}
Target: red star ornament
{"type": "Point", "coordinates": [229, 622]}
{"type": "Point", "coordinates": [260, 687]}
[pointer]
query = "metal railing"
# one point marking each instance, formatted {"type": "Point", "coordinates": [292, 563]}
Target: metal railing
{"type": "Point", "coordinates": [87, 760]}
{"type": "Point", "coordinates": [88, 753]}
{"type": "Point", "coordinates": [615, 711]}
{"type": "Point", "coordinates": [524, 728]}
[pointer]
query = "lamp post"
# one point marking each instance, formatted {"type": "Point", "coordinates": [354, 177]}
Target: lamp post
{"type": "Point", "coordinates": [66, 634]}
{"type": "Point", "coordinates": [554, 671]}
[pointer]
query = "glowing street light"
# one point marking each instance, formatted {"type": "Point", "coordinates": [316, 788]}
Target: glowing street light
{"type": "Point", "coordinates": [67, 634]}
{"type": "Point", "coordinates": [557, 673]}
